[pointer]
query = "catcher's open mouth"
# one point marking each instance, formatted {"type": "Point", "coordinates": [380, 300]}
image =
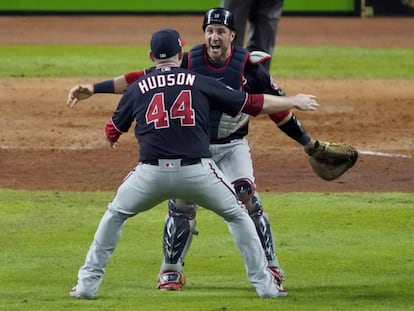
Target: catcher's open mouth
{"type": "Point", "coordinates": [215, 47]}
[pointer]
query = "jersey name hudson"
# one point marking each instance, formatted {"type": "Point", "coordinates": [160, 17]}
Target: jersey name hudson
{"type": "Point", "coordinates": [153, 82]}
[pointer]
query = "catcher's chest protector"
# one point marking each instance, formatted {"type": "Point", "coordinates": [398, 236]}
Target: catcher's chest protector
{"type": "Point", "coordinates": [230, 73]}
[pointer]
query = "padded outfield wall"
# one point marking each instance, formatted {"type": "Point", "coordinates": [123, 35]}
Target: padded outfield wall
{"type": "Point", "coordinates": [347, 7]}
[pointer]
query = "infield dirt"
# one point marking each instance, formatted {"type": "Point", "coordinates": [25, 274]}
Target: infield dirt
{"type": "Point", "coordinates": [46, 146]}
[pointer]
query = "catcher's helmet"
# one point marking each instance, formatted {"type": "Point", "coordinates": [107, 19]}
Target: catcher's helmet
{"type": "Point", "coordinates": [219, 16]}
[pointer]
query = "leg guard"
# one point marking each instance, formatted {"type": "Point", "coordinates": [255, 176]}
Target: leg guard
{"type": "Point", "coordinates": [265, 234]}
{"type": "Point", "coordinates": [178, 233]}
{"type": "Point", "coordinates": [179, 230]}
{"type": "Point", "coordinates": [246, 192]}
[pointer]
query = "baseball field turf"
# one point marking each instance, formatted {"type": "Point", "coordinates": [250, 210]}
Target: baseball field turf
{"type": "Point", "coordinates": [339, 251]}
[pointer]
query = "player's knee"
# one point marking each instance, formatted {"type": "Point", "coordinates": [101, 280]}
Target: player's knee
{"type": "Point", "coordinates": [246, 192]}
{"type": "Point", "coordinates": [178, 207]}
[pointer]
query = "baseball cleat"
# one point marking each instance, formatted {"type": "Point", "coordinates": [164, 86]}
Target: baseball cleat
{"type": "Point", "coordinates": [279, 278]}
{"type": "Point", "coordinates": [75, 293]}
{"type": "Point", "coordinates": [281, 291]}
{"type": "Point", "coordinates": [171, 280]}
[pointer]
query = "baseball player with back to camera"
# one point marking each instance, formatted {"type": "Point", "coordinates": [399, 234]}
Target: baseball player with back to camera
{"type": "Point", "coordinates": [239, 69]}
{"type": "Point", "coordinates": [171, 105]}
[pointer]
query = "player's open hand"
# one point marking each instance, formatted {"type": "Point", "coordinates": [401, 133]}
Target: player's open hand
{"type": "Point", "coordinates": [306, 102]}
{"type": "Point", "coordinates": [79, 92]}
{"type": "Point", "coordinates": [112, 144]}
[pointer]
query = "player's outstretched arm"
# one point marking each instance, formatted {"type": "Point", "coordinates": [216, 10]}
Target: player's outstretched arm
{"type": "Point", "coordinates": [303, 102]}
{"type": "Point", "coordinates": [80, 92]}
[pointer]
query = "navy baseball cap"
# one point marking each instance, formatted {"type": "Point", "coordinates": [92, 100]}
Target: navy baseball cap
{"type": "Point", "coordinates": [166, 43]}
{"type": "Point", "coordinates": [219, 16]}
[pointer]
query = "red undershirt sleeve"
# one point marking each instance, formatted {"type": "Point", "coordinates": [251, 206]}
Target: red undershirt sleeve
{"type": "Point", "coordinates": [254, 104]}
{"type": "Point", "coordinates": [279, 116]}
{"type": "Point", "coordinates": [111, 132]}
{"type": "Point", "coordinates": [131, 77]}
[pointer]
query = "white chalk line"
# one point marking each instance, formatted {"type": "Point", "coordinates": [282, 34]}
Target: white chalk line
{"type": "Point", "coordinates": [49, 148]}
{"type": "Point", "coordinates": [385, 154]}
{"type": "Point", "coordinates": [364, 152]}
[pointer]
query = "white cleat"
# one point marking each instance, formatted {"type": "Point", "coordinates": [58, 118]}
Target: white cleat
{"type": "Point", "coordinates": [75, 293]}
{"type": "Point", "coordinates": [279, 278]}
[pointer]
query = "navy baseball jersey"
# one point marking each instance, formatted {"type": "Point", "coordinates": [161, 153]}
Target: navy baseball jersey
{"type": "Point", "coordinates": [236, 72]}
{"type": "Point", "coordinates": [172, 112]}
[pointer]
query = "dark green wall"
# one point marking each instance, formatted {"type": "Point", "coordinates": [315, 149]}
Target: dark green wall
{"type": "Point", "coordinates": [132, 6]}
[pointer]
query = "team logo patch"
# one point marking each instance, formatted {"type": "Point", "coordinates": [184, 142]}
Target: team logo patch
{"type": "Point", "coordinates": [170, 164]}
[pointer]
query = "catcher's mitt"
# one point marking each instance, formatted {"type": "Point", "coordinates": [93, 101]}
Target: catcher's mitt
{"type": "Point", "coordinates": [331, 160]}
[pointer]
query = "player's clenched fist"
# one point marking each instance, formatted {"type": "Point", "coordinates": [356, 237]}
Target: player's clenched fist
{"type": "Point", "coordinates": [272, 104]}
{"type": "Point", "coordinates": [79, 92]}
{"type": "Point", "coordinates": [306, 102]}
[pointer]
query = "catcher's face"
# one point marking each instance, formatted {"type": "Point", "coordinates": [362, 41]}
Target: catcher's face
{"type": "Point", "coordinates": [218, 41]}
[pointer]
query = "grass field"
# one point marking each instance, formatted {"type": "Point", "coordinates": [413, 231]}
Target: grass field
{"type": "Point", "coordinates": [350, 251]}
{"type": "Point", "coordinates": [296, 62]}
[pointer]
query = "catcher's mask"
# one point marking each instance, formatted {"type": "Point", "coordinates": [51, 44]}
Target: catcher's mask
{"type": "Point", "coordinates": [219, 16]}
